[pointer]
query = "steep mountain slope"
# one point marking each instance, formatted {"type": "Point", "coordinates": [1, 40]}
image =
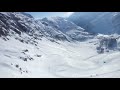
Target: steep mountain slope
{"type": "Point", "coordinates": [97, 22]}
{"type": "Point", "coordinates": [68, 28]}
{"type": "Point", "coordinates": [83, 19]}
{"type": "Point", "coordinates": [17, 23]}
{"type": "Point", "coordinates": [56, 28]}
{"type": "Point", "coordinates": [116, 22]}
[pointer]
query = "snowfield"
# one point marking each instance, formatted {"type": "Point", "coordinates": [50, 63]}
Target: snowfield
{"type": "Point", "coordinates": [56, 47]}
{"type": "Point", "coordinates": [56, 60]}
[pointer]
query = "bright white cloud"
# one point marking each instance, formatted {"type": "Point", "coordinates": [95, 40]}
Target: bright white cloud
{"type": "Point", "coordinates": [67, 14]}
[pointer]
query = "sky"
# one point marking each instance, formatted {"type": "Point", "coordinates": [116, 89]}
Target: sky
{"type": "Point", "coordinates": [39, 15]}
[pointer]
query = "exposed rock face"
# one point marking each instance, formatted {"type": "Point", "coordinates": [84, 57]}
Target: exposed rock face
{"type": "Point", "coordinates": [109, 43]}
{"type": "Point", "coordinates": [106, 44]}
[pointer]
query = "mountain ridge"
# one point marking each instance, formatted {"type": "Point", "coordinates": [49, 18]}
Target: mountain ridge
{"type": "Point", "coordinates": [20, 22]}
{"type": "Point", "coordinates": [96, 22]}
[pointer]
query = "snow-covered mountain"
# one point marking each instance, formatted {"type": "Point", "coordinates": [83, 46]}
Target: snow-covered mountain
{"type": "Point", "coordinates": [17, 23]}
{"type": "Point", "coordinates": [97, 22]}
{"type": "Point", "coordinates": [56, 28]}
{"type": "Point", "coordinates": [45, 47]}
{"type": "Point", "coordinates": [68, 28]}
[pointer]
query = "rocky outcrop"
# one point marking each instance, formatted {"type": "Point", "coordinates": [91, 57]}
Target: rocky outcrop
{"type": "Point", "coordinates": [106, 44]}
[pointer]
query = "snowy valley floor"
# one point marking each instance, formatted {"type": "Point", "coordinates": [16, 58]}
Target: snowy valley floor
{"type": "Point", "coordinates": [52, 60]}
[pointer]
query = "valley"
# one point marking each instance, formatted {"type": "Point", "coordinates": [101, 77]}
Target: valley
{"type": "Point", "coordinates": [56, 48]}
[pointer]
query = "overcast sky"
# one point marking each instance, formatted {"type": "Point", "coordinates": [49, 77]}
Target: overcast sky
{"type": "Point", "coordinates": [38, 15]}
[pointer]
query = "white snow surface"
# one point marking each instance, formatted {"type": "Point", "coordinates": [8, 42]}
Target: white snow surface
{"type": "Point", "coordinates": [38, 52]}
{"type": "Point", "coordinates": [63, 60]}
